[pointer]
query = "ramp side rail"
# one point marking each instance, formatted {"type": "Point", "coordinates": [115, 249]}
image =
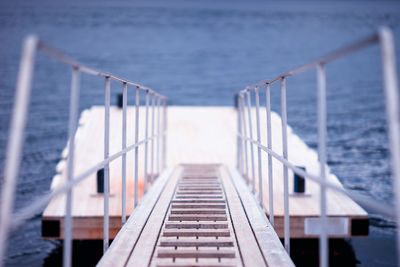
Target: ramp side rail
{"type": "Point", "coordinates": [155, 159]}
{"type": "Point", "coordinates": [384, 38]}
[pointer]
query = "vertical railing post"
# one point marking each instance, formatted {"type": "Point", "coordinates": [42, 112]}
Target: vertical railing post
{"type": "Point", "coordinates": [107, 166]}
{"type": "Point", "coordinates": [73, 119]}
{"type": "Point", "coordinates": [244, 134]}
{"type": "Point", "coordinates": [260, 188]}
{"type": "Point", "coordinates": [392, 114]}
{"type": "Point", "coordinates": [285, 168]}
{"type": "Point", "coordinates": [152, 138]}
{"type": "Point", "coordinates": [158, 135]}
{"type": "Point", "coordinates": [323, 239]}
{"type": "Point", "coordinates": [137, 147]}
{"type": "Point", "coordinates": [124, 104]}
{"type": "Point", "coordinates": [146, 142]}
{"type": "Point", "coordinates": [16, 140]}
{"type": "Point", "coordinates": [165, 125]}
{"type": "Point", "coordinates": [269, 144]}
{"type": "Point", "coordinates": [253, 172]}
{"type": "Point", "coordinates": [239, 164]}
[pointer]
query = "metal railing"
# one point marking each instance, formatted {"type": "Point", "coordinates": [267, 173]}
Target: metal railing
{"type": "Point", "coordinates": [245, 136]}
{"type": "Point", "coordinates": [10, 220]}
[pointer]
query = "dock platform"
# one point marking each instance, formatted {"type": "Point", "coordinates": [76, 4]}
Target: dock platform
{"type": "Point", "coordinates": [197, 215]}
{"type": "Point", "coordinates": [196, 135]}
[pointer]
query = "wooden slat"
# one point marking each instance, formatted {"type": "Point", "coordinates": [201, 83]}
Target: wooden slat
{"type": "Point", "coordinates": [120, 250]}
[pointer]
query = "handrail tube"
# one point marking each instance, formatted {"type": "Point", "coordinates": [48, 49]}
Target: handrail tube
{"type": "Point", "coordinates": [330, 57]}
{"type": "Point", "coordinates": [253, 172]}
{"type": "Point", "coordinates": [321, 92]}
{"type": "Point", "coordinates": [16, 139]}
{"type": "Point", "coordinates": [124, 122]}
{"type": "Point", "coordinates": [47, 49]}
{"type": "Point", "coordinates": [286, 219]}
{"type": "Point", "coordinates": [391, 88]}
{"type": "Point", "coordinates": [269, 144]}
{"type": "Point", "coordinates": [152, 141]}
{"type": "Point", "coordinates": [158, 135]}
{"type": "Point", "coordinates": [136, 174]}
{"type": "Point", "coordinates": [14, 148]}
{"type": "Point", "coordinates": [146, 144]}
{"type": "Point", "coordinates": [386, 210]}
{"type": "Point", "coordinates": [164, 135]}
{"type": "Point", "coordinates": [241, 101]}
{"type": "Point", "coordinates": [26, 213]}
{"type": "Point", "coordinates": [260, 187]}
{"type": "Point", "coordinates": [73, 120]}
{"type": "Point", "coordinates": [107, 90]}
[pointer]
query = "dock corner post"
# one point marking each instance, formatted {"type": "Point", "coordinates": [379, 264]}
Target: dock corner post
{"type": "Point", "coordinates": [136, 146]}
{"type": "Point", "coordinates": [269, 144]}
{"type": "Point", "coordinates": [146, 133]}
{"type": "Point", "coordinates": [285, 168]}
{"type": "Point", "coordinates": [72, 126]}
{"type": "Point", "coordinates": [260, 188]}
{"type": "Point", "coordinates": [107, 166]}
{"type": "Point", "coordinates": [124, 104]}
{"type": "Point", "coordinates": [253, 172]}
{"type": "Point", "coordinates": [16, 139]}
{"type": "Point", "coordinates": [391, 89]}
{"type": "Point", "coordinates": [323, 241]}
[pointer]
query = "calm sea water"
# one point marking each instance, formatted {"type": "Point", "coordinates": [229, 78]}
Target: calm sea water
{"type": "Point", "coordinates": [202, 53]}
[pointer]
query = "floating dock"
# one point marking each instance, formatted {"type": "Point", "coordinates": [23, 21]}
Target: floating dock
{"type": "Point", "coordinates": [196, 135]}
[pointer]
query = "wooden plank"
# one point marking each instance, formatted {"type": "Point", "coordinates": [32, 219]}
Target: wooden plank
{"type": "Point", "coordinates": [141, 254]}
{"type": "Point", "coordinates": [267, 240]}
{"type": "Point", "coordinates": [120, 250]}
{"type": "Point", "coordinates": [248, 247]}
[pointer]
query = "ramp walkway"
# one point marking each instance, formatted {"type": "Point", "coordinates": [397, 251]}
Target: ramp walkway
{"type": "Point", "coordinates": [197, 215]}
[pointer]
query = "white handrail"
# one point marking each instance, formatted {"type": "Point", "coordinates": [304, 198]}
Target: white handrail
{"type": "Point", "coordinates": [385, 39]}
{"type": "Point", "coordinates": [14, 149]}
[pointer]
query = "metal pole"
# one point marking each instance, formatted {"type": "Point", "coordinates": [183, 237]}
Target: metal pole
{"type": "Point", "coordinates": [146, 142]}
{"type": "Point", "coordinates": [73, 119]}
{"type": "Point", "coordinates": [323, 239]}
{"type": "Point", "coordinates": [152, 138]}
{"type": "Point", "coordinates": [158, 135]}
{"type": "Point", "coordinates": [285, 169]}
{"type": "Point", "coordinates": [269, 141]}
{"type": "Point", "coordinates": [392, 113]}
{"type": "Point", "coordinates": [241, 101]}
{"type": "Point", "coordinates": [137, 147]}
{"type": "Point", "coordinates": [164, 152]}
{"type": "Point", "coordinates": [251, 144]}
{"type": "Point", "coordinates": [107, 166]}
{"type": "Point", "coordinates": [16, 139]}
{"type": "Point", "coordinates": [239, 164]}
{"type": "Point", "coordinates": [260, 189]}
{"type": "Point", "coordinates": [124, 104]}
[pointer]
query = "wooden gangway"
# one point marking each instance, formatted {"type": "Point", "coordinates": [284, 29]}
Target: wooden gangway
{"type": "Point", "coordinates": [197, 215]}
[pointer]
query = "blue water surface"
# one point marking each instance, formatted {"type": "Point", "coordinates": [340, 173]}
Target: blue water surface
{"type": "Point", "coordinates": [202, 53]}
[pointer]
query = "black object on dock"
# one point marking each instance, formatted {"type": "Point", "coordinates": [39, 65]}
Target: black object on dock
{"type": "Point", "coordinates": [100, 181]}
{"type": "Point", "coordinates": [119, 100]}
{"type": "Point", "coordinates": [299, 182]}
